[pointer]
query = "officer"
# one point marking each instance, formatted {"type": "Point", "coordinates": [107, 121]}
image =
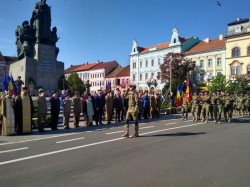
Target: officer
{"type": "Point", "coordinates": [184, 109]}
{"type": "Point", "coordinates": [228, 107]}
{"type": "Point", "coordinates": [42, 110]}
{"type": "Point", "coordinates": [206, 101]}
{"type": "Point", "coordinates": [132, 112]}
{"type": "Point", "coordinates": [220, 106]}
{"type": "Point", "coordinates": [196, 99]}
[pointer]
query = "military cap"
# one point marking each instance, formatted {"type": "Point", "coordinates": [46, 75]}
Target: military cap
{"type": "Point", "coordinates": [40, 90]}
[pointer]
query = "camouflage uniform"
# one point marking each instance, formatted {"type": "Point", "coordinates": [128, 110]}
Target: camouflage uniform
{"type": "Point", "coordinates": [206, 101]}
{"type": "Point", "coordinates": [158, 105]}
{"type": "Point", "coordinates": [132, 112]}
{"type": "Point", "coordinates": [109, 107]}
{"type": "Point", "coordinates": [240, 104]}
{"type": "Point", "coordinates": [228, 107]}
{"type": "Point", "coordinates": [152, 105]}
{"type": "Point", "coordinates": [76, 109]}
{"type": "Point", "coordinates": [66, 112]}
{"type": "Point", "coordinates": [247, 104]}
{"type": "Point", "coordinates": [196, 99]}
{"type": "Point", "coordinates": [184, 109]}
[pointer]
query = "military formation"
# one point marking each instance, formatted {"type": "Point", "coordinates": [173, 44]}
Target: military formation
{"type": "Point", "coordinates": [207, 106]}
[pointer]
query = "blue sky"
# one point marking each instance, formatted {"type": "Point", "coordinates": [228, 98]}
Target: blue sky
{"type": "Point", "coordinates": [92, 30]}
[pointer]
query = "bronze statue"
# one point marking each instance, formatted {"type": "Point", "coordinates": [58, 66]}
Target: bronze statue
{"type": "Point", "coordinates": [87, 85]}
{"type": "Point", "coordinates": [54, 38]}
{"type": "Point", "coordinates": [19, 84]}
{"type": "Point", "coordinates": [41, 21]}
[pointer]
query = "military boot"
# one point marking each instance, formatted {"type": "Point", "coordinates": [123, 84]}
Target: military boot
{"type": "Point", "coordinates": [136, 131]}
{"type": "Point", "coordinates": [126, 134]}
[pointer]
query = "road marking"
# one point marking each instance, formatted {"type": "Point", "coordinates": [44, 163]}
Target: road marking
{"type": "Point", "coordinates": [12, 150]}
{"type": "Point", "coordinates": [188, 121]}
{"type": "Point", "coordinates": [146, 127]}
{"type": "Point", "coordinates": [114, 132]}
{"type": "Point", "coordinates": [87, 145]}
{"type": "Point", "coordinates": [171, 128]}
{"type": "Point", "coordinates": [70, 140]}
{"type": "Point", "coordinates": [170, 123]}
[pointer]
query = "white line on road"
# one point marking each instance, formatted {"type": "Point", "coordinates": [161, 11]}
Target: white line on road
{"type": "Point", "coordinates": [170, 123]}
{"type": "Point", "coordinates": [116, 132]}
{"type": "Point", "coordinates": [188, 121]}
{"type": "Point", "coordinates": [12, 150]}
{"type": "Point", "coordinates": [147, 127]}
{"type": "Point", "coordinates": [70, 140]}
{"type": "Point", "coordinates": [87, 145]}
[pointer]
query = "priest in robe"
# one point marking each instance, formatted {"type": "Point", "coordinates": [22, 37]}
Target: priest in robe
{"type": "Point", "coordinates": [8, 115]}
{"type": "Point", "coordinates": [24, 111]}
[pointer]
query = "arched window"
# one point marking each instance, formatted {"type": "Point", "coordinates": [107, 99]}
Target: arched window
{"type": "Point", "coordinates": [248, 69]}
{"type": "Point", "coordinates": [152, 62]}
{"type": "Point", "coordinates": [232, 70]}
{"type": "Point", "coordinates": [236, 52]}
{"type": "Point", "coordinates": [238, 70]}
{"type": "Point", "coordinates": [248, 51]}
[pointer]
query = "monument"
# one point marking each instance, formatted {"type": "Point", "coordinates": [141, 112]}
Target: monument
{"type": "Point", "coordinates": [37, 51]}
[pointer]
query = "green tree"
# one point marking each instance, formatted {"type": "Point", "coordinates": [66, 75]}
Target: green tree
{"type": "Point", "coordinates": [238, 84]}
{"type": "Point", "coordinates": [218, 82]}
{"type": "Point", "coordinates": [76, 83]}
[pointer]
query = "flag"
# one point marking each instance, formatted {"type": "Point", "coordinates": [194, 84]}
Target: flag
{"type": "Point", "coordinates": [5, 83]}
{"type": "Point", "coordinates": [11, 84]}
{"type": "Point", "coordinates": [179, 95]}
{"type": "Point", "coordinates": [14, 85]}
{"type": "Point", "coordinates": [188, 89]}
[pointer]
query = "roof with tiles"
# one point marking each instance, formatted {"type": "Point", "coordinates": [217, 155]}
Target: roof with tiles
{"type": "Point", "coordinates": [114, 73]}
{"type": "Point", "coordinates": [85, 67]}
{"type": "Point", "coordinates": [105, 65]}
{"type": "Point", "coordinates": [207, 46]}
{"type": "Point", "coordinates": [71, 69]}
{"type": "Point", "coordinates": [157, 47]}
{"type": "Point", "coordinates": [125, 72]}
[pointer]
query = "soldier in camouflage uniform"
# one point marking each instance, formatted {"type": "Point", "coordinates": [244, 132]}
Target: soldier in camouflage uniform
{"type": "Point", "coordinates": [206, 101]}
{"type": "Point", "coordinates": [152, 104]}
{"type": "Point", "coordinates": [220, 106]}
{"type": "Point", "coordinates": [216, 101]}
{"type": "Point", "coordinates": [158, 105]}
{"type": "Point", "coordinates": [235, 96]}
{"type": "Point", "coordinates": [132, 112]}
{"type": "Point", "coordinates": [76, 109]}
{"type": "Point", "coordinates": [199, 107]}
{"type": "Point", "coordinates": [247, 104]}
{"type": "Point", "coordinates": [196, 99]}
{"type": "Point", "coordinates": [240, 104]}
{"type": "Point", "coordinates": [228, 107]}
{"type": "Point", "coordinates": [109, 106]}
{"type": "Point", "coordinates": [184, 109]}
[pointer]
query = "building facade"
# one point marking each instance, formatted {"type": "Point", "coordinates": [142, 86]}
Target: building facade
{"type": "Point", "coordinates": [112, 78]}
{"type": "Point", "coordinates": [209, 57]}
{"type": "Point", "coordinates": [238, 49]}
{"type": "Point", "coordinates": [123, 79]}
{"type": "Point", "coordinates": [145, 62]}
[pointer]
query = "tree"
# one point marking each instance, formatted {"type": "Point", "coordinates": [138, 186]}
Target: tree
{"type": "Point", "coordinates": [218, 82]}
{"type": "Point", "coordinates": [238, 84]}
{"type": "Point", "coordinates": [76, 83]}
{"type": "Point", "coordinates": [175, 68]}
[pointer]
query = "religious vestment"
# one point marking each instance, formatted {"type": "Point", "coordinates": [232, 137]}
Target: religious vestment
{"type": "Point", "coordinates": [7, 111]}
{"type": "Point", "coordinates": [24, 111]}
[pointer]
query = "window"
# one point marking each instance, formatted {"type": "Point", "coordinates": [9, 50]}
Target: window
{"type": "Point", "coordinates": [232, 70]}
{"type": "Point", "coordinates": [134, 65]}
{"type": "Point", "coordinates": [248, 51]}
{"type": "Point", "coordinates": [152, 62]}
{"type": "Point", "coordinates": [140, 76]}
{"type": "Point", "coordinates": [140, 64]}
{"type": "Point", "coordinates": [210, 62]}
{"type": "Point", "coordinates": [174, 40]}
{"type": "Point", "coordinates": [146, 76]}
{"type": "Point", "coordinates": [134, 77]}
{"type": "Point", "coordinates": [158, 75]}
{"type": "Point", "coordinates": [218, 61]}
{"type": "Point", "coordinates": [152, 75]}
{"type": "Point", "coordinates": [218, 73]}
{"type": "Point", "coordinates": [146, 64]}
{"type": "Point", "coordinates": [248, 69]}
{"type": "Point", "coordinates": [201, 63]}
{"type": "Point", "coordinates": [127, 82]}
{"type": "Point", "coordinates": [238, 70]}
{"type": "Point", "coordinates": [159, 61]}
{"type": "Point", "coordinates": [236, 52]}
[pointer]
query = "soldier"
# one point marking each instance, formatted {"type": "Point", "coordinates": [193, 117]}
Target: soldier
{"type": "Point", "coordinates": [132, 96]}
{"type": "Point", "coordinates": [66, 110]}
{"type": "Point", "coordinates": [240, 104]}
{"type": "Point", "coordinates": [158, 105]}
{"type": "Point", "coordinates": [199, 107]}
{"type": "Point", "coordinates": [109, 106]}
{"type": "Point", "coordinates": [220, 106]}
{"type": "Point", "coordinates": [247, 104]}
{"type": "Point", "coordinates": [118, 106]}
{"type": "Point", "coordinates": [77, 109]}
{"type": "Point", "coordinates": [152, 104]}
{"type": "Point", "coordinates": [140, 105]}
{"type": "Point", "coordinates": [196, 99]}
{"type": "Point", "coordinates": [206, 101]}
{"type": "Point", "coordinates": [54, 110]}
{"type": "Point", "coordinates": [42, 110]}
{"type": "Point", "coordinates": [184, 108]}
{"type": "Point", "coordinates": [228, 107]}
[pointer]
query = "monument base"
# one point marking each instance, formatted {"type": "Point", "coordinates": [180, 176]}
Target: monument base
{"type": "Point", "coordinates": [44, 69]}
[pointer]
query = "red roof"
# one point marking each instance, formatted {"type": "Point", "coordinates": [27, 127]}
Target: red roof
{"type": "Point", "coordinates": [114, 73]}
{"type": "Point", "coordinates": [125, 72]}
{"type": "Point", "coordinates": [84, 67]}
{"type": "Point", "coordinates": [207, 46]}
{"type": "Point", "coordinates": [70, 69]}
{"type": "Point", "coordinates": [105, 65]}
{"type": "Point", "coordinates": [158, 46]}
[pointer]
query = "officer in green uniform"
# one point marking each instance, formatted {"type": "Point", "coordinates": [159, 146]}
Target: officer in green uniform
{"type": "Point", "coordinates": [220, 106]}
{"type": "Point", "coordinates": [206, 101]}
{"type": "Point", "coordinates": [132, 112]}
{"type": "Point", "coordinates": [184, 109]}
{"type": "Point", "coordinates": [196, 99]}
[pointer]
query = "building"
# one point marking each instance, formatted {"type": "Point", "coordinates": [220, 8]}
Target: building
{"type": "Point", "coordinates": [238, 49]}
{"type": "Point", "coordinates": [112, 78]}
{"type": "Point", "coordinates": [123, 79]}
{"type": "Point", "coordinates": [98, 73]}
{"type": "Point", "coordinates": [209, 57]}
{"type": "Point", "coordinates": [2, 70]}
{"type": "Point", "coordinates": [70, 70]}
{"type": "Point", "coordinates": [145, 61]}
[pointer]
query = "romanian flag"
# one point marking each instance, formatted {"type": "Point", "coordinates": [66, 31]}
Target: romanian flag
{"type": "Point", "coordinates": [12, 85]}
{"type": "Point", "coordinates": [5, 83]}
{"type": "Point", "coordinates": [179, 95]}
{"type": "Point", "coordinates": [188, 90]}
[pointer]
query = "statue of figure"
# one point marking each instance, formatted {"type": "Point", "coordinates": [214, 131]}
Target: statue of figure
{"type": "Point", "coordinates": [87, 85]}
{"type": "Point", "coordinates": [26, 38]}
{"type": "Point", "coordinates": [53, 39]}
{"type": "Point", "coordinates": [19, 84]}
{"type": "Point", "coordinates": [18, 42]}
{"type": "Point", "coordinates": [41, 21]}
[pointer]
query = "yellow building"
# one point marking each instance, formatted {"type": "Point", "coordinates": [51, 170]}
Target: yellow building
{"type": "Point", "coordinates": [238, 49]}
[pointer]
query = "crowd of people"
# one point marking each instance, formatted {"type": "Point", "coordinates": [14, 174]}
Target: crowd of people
{"type": "Point", "coordinates": [205, 106]}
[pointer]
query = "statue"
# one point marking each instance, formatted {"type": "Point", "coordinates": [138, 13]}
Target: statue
{"type": "Point", "coordinates": [19, 84]}
{"type": "Point", "coordinates": [41, 21]}
{"type": "Point", "coordinates": [87, 85]}
{"type": "Point", "coordinates": [24, 40]}
{"type": "Point", "coordinates": [54, 39]}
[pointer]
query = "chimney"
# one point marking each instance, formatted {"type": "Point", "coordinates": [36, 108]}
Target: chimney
{"type": "Point", "coordinates": [221, 37]}
{"type": "Point", "coordinates": [87, 63]}
{"type": "Point", "coordinates": [206, 40]}
{"type": "Point", "coordinates": [238, 19]}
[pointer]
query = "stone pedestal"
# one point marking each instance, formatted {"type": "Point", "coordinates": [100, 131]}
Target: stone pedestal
{"type": "Point", "coordinates": [44, 69]}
